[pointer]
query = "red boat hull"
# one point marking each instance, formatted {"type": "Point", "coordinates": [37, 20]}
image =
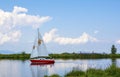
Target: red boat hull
{"type": "Point", "coordinates": [42, 64]}
{"type": "Point", "coordinates": [42, 61]}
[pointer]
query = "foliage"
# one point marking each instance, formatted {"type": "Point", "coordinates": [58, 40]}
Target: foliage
{"type": "Point", "coordinates": [83, 56]}
{"type": "Point", "coordinates": [112, 71]}
{"type": "Point", "coordinates": [23, 53]}
{"type": "Point", "coordinates": [74, 73]}
{"type": "Point", "coordinates": [62, 56]}
{"type": "Point", "coordinates": [15, 56]}
{"type": "Point", "coordinates": [95, 73]}
{"type": "Point", "coordinates": [113, 49]}
{"type": "Point", "coordinates": [54, 75]}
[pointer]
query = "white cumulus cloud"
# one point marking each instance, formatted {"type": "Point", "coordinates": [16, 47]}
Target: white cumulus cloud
{"type": "Point", "coordinates": [17, 17]}
{"type": "Point", "coordinates": [19, 9]}
{"type": "Point", "coordinates": [12, 36]}
{"type": "Point", "coordinates": [118, 42]}
{"type": "Point", "coordinates": [51, 36]}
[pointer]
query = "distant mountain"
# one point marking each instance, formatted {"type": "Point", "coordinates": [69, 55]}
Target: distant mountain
{"type": "Point", "coordinates": [6, 52]}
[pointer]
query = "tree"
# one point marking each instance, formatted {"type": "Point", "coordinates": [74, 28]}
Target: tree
{"type": "Point", "coordinates": [23, 53]}
{"type": "Point", "coordinates": [113, 49]}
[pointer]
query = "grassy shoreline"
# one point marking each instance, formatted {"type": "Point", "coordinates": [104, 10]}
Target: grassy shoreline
{"type": "Point", "coordinates": [62, 56]}
{"type": "Point", "coordinates": [83, 56]}
{"type": "Point", "coordinates": [15, 56]}
{"type": "Point", "coordinates": [111, 71]}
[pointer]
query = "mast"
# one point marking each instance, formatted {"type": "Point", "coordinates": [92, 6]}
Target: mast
{"type": "Point", "coordinates": [39, 40]}
{"type": "Point", "coordinates": [38, 50]}
{"type": "Point", "coordinates": [38, 34]}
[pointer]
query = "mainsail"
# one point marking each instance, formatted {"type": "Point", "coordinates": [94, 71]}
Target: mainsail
{"type": "Point", "coordinates": [39, 48]}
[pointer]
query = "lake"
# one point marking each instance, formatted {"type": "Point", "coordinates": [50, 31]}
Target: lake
{"type": "Point", "coordinates": [18, 68]}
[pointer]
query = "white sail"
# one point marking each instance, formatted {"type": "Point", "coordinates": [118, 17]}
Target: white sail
{"type": "Point", "coordinates": [39, 48]}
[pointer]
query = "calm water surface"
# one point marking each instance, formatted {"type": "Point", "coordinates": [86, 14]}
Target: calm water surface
{"type": "Point", "coordinates": [18, 68]}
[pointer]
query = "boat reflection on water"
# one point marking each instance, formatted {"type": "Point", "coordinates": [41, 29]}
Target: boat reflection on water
{"type": "Point", "coordinates": [42, 64]}
{"type": "Point", "coordinates": [40, 69]}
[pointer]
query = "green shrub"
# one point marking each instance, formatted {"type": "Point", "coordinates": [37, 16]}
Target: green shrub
{"type": "Point", "coordinates": [75, 73]}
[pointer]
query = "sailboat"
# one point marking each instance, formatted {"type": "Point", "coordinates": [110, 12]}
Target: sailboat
{"type": "Point", "coordinates": [39, 53]}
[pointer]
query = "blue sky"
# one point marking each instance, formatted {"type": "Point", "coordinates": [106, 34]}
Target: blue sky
{"type": "Point", "coordinates": [67, 25]}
